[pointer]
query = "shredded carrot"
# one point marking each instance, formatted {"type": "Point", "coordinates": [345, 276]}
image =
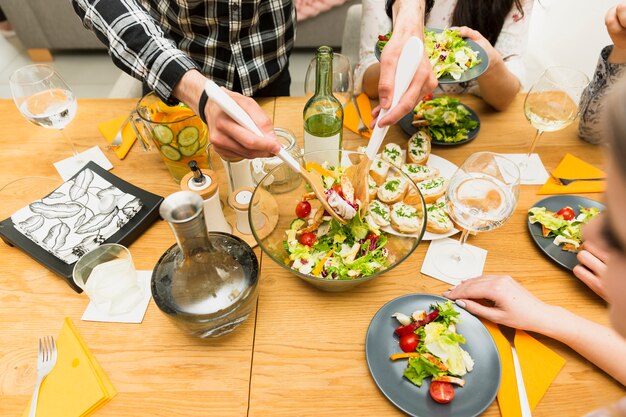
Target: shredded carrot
{"type": "Point", "coordinates": [404, 355]}
{"type": "Point", "coordinates": [320, 169]}
{"type": "Point", "coordinates": [320, 266]}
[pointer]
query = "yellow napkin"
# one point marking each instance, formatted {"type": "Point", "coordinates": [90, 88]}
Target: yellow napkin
{"type": "Point", "coordinates": [110, 128]}
{"type": "Point", "coordinates": [351, 117]}
{"type": "Point", "coordinates": [572, 167]}
{"type": "Point", "coordinates": [77, 385]}
{"type": "Point", "coordinates": [539, 364]}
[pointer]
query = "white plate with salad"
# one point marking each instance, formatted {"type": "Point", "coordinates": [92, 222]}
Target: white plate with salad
{"type": "Point", "coordinates": [398, 379]}
{"type": "Point", "coordinates": [454, 59]}
{"type": "Point", "coordinates": [555, 224]}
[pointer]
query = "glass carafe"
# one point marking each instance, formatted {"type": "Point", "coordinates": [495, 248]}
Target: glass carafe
{"type": "Point", "coordinates": [207, 282]}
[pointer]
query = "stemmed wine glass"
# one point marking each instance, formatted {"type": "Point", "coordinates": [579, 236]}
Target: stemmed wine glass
{"type": "Point", "coordinates": [481, 196]}
{"type": "Point", "coordinates": [552, 103]}
{"type": "Point", "coordinates": [44, 98]}
{"type": "Point", "coordinates": [342, 79]}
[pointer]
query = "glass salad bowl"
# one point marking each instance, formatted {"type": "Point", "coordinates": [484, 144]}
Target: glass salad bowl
{"type": "Point", "coordinates": [332, 257]}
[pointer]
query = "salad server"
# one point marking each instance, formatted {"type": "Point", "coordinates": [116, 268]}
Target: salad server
{"type": "Point", "coordinates": [230, 107]}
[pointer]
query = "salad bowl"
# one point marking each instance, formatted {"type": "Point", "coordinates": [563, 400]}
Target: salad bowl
{"type": "Point", "coordinates": [386, 250]}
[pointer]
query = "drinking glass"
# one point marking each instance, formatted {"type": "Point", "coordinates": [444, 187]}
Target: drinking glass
{"type": "Point", "coordinates": [342, 79]}
{"type": "Point", "coordinates": [481, 196]}
{"type": "Point", "coordinates": [552, 103]}
{"type": "Point", "coordinates": [44, 98]}
{"type": "Point", "coordinates": [109, 278]}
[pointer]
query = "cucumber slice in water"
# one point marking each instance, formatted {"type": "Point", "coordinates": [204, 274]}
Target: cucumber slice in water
{"type": "Point", "coordinates": [188, 135]}
{"type": "Point", "coordinates": [189, 150]}
{"type": "Point", "coordinates": [170, 153]}
{"type": "Point", "coordinates": [163, 134]}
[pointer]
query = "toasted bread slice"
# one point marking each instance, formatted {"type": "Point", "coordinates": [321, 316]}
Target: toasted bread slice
{"type": "Point", "coordinates": [379, 170]}
{"type": "Point", "coordinates": [392, 191]}
{"type": "Point", "coordinates": [437, 219]}
{"type": "Point", "coordinates": [405, 218]}
{"type": "Point", "coordinates": [393, 153]}
{"type": "Point", "coordinates": [380, 213]}
{"type": "Point", "coordinates": [419, 147]}
{"type": "Point", "coordinates": [419, 173]}
{"type": "Point", "coordinates": [372, 187]}
{"type": "Point", "coordinates": [432, 189]}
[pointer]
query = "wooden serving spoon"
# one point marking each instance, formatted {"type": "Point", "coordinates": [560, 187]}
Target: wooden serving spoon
{"type": "Point", "coordinates": [230, 107]}
{"type": "Point", "coordinates": [409, 61]}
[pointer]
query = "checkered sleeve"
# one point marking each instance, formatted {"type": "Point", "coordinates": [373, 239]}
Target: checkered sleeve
{"type": "Point", "coordinates": [136, 42]}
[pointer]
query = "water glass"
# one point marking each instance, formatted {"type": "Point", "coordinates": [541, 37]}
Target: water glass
{"type": "Point", "coordinates": [284, 179]}
{"type": "Point", "coordinates": [108, 276]}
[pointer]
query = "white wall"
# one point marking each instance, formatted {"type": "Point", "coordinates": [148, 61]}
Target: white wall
{"type": "Point", "coordinates": [566, 32]}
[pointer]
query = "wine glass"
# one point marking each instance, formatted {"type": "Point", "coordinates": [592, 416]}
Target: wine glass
{"type": "Point", "coordinates": [44, 98]}
{"type": "Point", "coordinates": [342, 79]}
{"type": "Point", "coordinates": [481, 196]}
{"type": "Point", "coordinates": [552, 103]}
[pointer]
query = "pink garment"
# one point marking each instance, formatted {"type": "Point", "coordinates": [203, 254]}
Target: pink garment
{"type": "Point", "coordinates": [309, 8]}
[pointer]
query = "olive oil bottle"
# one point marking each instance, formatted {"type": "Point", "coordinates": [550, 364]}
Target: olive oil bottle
{"type": "Point", "coordinates": [323, 113]}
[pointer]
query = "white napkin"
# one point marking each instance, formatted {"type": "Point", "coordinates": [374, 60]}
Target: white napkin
{"type": "Point", "coordinates": [76, 217]}
{"type": "Point", "coordinates": [534, 173]}
{"type": "Point", "coordinates": [429, 267]}
{"type": "Point", "coordinates": [92, 313]}
{"type": "Point", "coordinates": [69, 167]}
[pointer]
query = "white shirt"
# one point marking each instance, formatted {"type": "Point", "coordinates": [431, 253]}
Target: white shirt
{"type": "Point", "coordinates": [511, 43]}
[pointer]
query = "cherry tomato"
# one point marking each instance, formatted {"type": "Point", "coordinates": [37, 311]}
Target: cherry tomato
{"type": "Point", "coordinates": [442, 392]}
{"type": "Point", "coordinates": [303, 209]}
{"type": "Point", "coordinates": [567, 213]}
{"type": "Point", "coordinates": [409, 342]}
{"type": "Point", "coordinates": [370, 236]}
{"type": "Point", "coordinates": [427, 97]}
{"type": "Point", "coordinates": [308, 238]}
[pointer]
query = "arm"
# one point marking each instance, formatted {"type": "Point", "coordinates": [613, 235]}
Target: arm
{"type": "Point", "coordinates": [512, 305]}
{"type": "Point", "coordinates": [374, 22]}
{"type": "Point", "coordinates": [610, 67]}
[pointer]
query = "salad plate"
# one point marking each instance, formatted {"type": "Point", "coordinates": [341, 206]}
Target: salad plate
{"type": "Point", "coordinates": [406, 124]}
{"type": "Point", "coordinates": [468, 75]}
{"type": "Point", "coordinates": [481, 385]}
{"type": "Point", "coordinates": [546, 244]}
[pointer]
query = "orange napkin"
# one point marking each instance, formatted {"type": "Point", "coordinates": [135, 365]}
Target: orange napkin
{"type": "Point", "coordinates": [77, 385]}
{"type": "Point", "coordinates": [539, 366]}
{"type": "Point", "coordinates": [572, 167]}
{"type": "Point", "coordinates": [110, 128]}
{"type": "Point", "coordinates": [351, 117]}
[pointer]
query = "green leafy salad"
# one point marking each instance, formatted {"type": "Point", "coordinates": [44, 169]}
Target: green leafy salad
{"type": "Point", "coordinates": [564, 226]}
{"type": "Point", "coordinates": [446, 119]}
{"type": "Point", "coordinates": [432, 346]}
{"type": "Point", "coordinates": [447, 51]}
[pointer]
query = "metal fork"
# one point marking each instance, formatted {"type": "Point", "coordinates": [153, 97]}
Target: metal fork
{"type": "Point", "coordinates": [509, 334]}
{"type": "Point", "coordinates": [568, 181]}
{"type": "Point", "coordinates": [362, 128]}
{"type": "Point", "coordinates": [46, 359]}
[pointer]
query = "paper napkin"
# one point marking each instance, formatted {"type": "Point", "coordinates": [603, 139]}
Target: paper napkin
{"type": "Point", "coordinates": [429, 267]}
{"type": "Point", "coordinates": [92, 313]}
{"type": "Point", "coordinates": [110, 128]}
{"type": "Point", "coordinates": [77, 385]}
{"type": "Point", "coordinates": [351, 117]}
{"type": "Point", "coordinates": [69, 167]}
{"type": "Point", "coordinates": [76, 217]}
{"type": "Point", "coordinates": [572, 167]}
{"type": "Point", "coordinates": [534, 173]}
{"type": "Point", "coordinates": [539, 364]}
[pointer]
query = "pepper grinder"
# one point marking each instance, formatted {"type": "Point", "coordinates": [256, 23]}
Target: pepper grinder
{"type": "Point", "coordinates": [240, 201]}
{"type": "Point", "coordinates": [205, 185]}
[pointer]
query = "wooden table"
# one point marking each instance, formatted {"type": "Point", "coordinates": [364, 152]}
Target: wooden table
{"type": "Point", "coordinates": [303, 351]}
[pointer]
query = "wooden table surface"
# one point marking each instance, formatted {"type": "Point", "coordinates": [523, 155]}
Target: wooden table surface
{"type": "Point", "coordinates": [302, 353]}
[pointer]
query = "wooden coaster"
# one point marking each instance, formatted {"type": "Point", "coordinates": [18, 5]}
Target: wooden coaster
{"type": "Point", "coordinates": [269, 209]}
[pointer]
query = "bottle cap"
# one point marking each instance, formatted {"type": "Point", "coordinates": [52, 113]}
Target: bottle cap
{"type": "Point", "coordinates": [240, 199]}
{"type": "Point", "coordinates": [206, 188]}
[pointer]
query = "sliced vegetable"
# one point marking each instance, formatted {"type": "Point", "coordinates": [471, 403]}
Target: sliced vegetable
{"type": "Point", "coordinates": [188, 135]}
{"type": "Point", "coordinates": [163, 134]}
{"type": "Point", "coordinates": [442, 392]}
{"type": "Point", "coordinates": [190, 150]}
{"type": "Point", "coordinates": [297, 224]}
{"type": "Point", "coordinates": [170, 153]}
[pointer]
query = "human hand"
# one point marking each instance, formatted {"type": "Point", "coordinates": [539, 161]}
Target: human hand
{"type": "Point", "coordinates": [233, 141]}
{"type": "Point", "coordinates": [500, 299]}
{"type": "Point", "coordinates": [494, 56]}
{"type": "Point", "coordinates": [615, 21]}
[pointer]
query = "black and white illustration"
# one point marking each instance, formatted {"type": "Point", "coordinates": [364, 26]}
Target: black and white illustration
{"type": "Point", "coordinates": [77, 217]}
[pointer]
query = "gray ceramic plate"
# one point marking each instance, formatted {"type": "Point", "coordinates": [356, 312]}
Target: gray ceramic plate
{"type": "Point", "coordinates": [406, 124]}
{"type": "Point", "coordinates": [546, 244]}
{"type": "Point", "coordinates": [481, 385]}
{"type": "Point", "coordinates": [468, 75]}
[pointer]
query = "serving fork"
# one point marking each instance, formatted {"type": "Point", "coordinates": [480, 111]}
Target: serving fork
{"type": "Point", "coordinates": [509, 334]}
{"type": "Point", "coordinates": [568, 181]}
{"type": "Point", "coordinates": [46, 359]}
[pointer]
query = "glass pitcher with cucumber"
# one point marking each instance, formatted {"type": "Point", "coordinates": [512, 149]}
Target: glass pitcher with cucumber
{"type": "Point", "coordinates": [176, 131]}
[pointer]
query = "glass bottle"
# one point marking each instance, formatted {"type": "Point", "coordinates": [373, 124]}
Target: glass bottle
{"type": "Point", "coordinates": [207, 282]}
{"type": "Point", "coordinates": [323, 113]}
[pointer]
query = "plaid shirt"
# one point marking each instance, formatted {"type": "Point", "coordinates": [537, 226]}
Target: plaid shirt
{"type": "Point", "coordinates": [157, 41]}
